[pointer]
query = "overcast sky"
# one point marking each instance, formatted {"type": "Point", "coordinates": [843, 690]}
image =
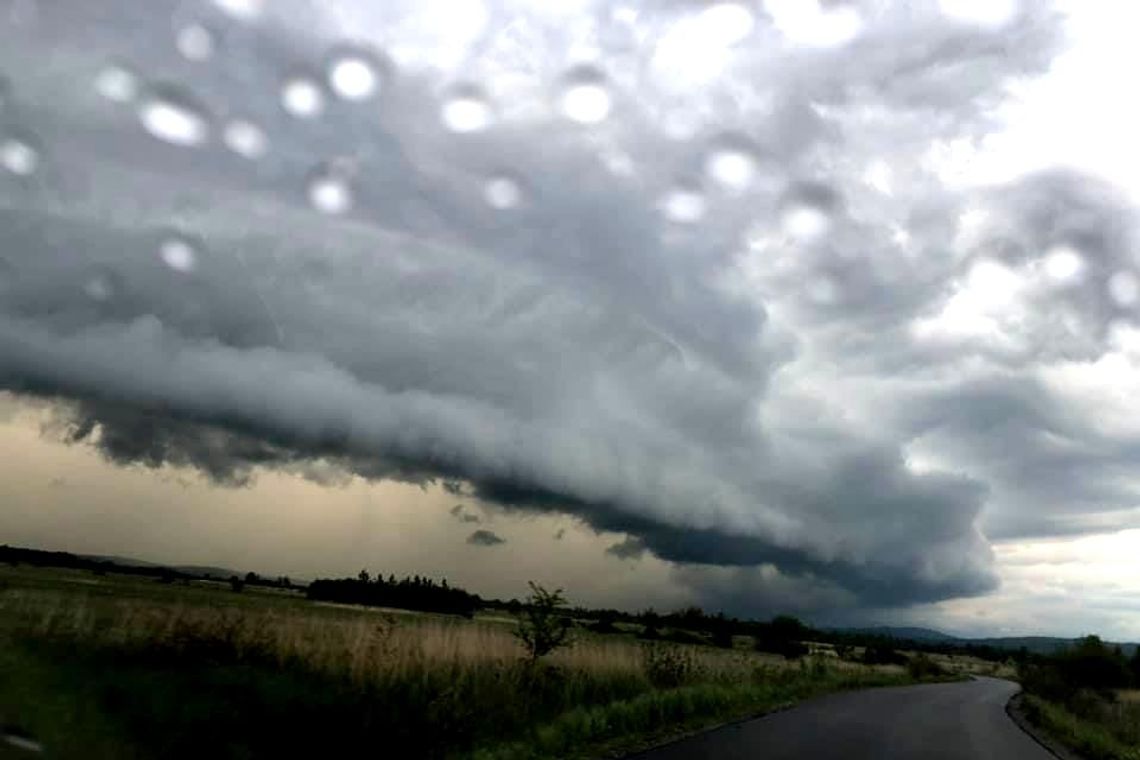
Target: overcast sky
{"type": "Point", "coordinates": [775, 306]}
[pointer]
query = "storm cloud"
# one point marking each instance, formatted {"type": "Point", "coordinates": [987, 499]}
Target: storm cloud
{"type": "Point", "coordinates": [729, 302]}
{"type": "Point", "coordinates": [485, 538]}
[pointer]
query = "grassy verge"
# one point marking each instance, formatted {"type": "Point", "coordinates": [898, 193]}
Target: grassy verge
{"type": "Point", "coordinates": [103, 668]}
{"type": "Point", "coordinates": [648, 719]}
{"type": "Point", "coordinates": [1111, 732]}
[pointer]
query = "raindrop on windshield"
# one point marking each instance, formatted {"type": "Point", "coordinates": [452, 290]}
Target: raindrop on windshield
{"type": "Point", "coordinates": [727, 23]}
{"type": "Point", "coordinates": [195, 42]}
{"type": "Point", "coordinates": [983, 13]}
{"type": "Point", "coordinates": [329, 192]}
{"type": "Point", "coordinates": [245, 138]}
{"type": "Point", "coordinates": [303, 98]}
{"type": "Point", "coordinates": [18, 157]}
{"type": "Point", "coordinates": [805, 222]}
{"type": "Point", "coordinates": [174, 119]}
{"type": "Point", "coordinates": [1063, 264]}
{"type": "Point", "coordinates": [117, 84]}
{"type": "Point", "coordinates": [586, 97]}
{"type": "Point", "coordinates": [178, 253]}
{"type": "Point", "coordinates": [353, 76]}
{"type": "Point", "coordinates": [502, 193]}
{"type": "Point", "coordinates": [732, 165]}
{"type": "Point", "coordinates": [466, 110]}
{"type": "Point", "coordinates": [1124, 288]}
{"type": "Point", "coordinates": [99, 288]}
{"type": "Point", "coordinates": [244, 10]}
{"type": "Point", "coordinates": [684, 205]}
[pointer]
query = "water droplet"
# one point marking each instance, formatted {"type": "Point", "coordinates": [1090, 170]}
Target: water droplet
{"type": "Point", "coordinates": [805, 223]}
{"type": "Point", "coordinates": [1063, 264]}
{"type": "Point", "coordinates": [354, 76]}
{"type": "Point", "coordinates": [726, 23]}
{"type": "Point", "coordinates": [814, 23]}
{"type": "Point", "coordinates": [732, 165]}
{"type": "Point", "coordinates": [99, 288]}
{"type": "Point", "coordinates": [118, 84]}
{"type": "Point", "coordinates": [984, 13]}
{"type": "Point", "coordinates": [330, 192]}
{"type": "Point", "coordinates": [1124, 288]}
{"type": "Point", "coordinates": [244, 10]}
{"type": "Point", "coordinates": [466, 110]}
{"type": "Point", "coordinates": [619, 163]}
{"type": "Point", "coordinates": [684, 206]}
{"type": "Point", "coordinates": [502, 193]}
{"type": "Point", "coordinates": [245, 138]}
{"type": "Point", "coordinates": [625, 14]}
{"type": "Point", "coordinates": [879, 176]}
{"type": "Point", "coordinates": [18, 157]}
{"type": "Point", "coordinates": [195, 42]}
{"type": "Point", "coordinates": [808, 211]}
{"type": "Point", "coordinates": [178, 253]}
{"type": "Point", "coordinates": [175, 119]}
{"type": "Point", "coordinates": [586, 97]}
{"type": "Point", "coordinates": [303, 98]}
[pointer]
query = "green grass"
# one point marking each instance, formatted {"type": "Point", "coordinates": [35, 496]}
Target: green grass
{"type": "Point", "coordinates": [123, 667]}
{"type": "Point", "coordinates": [650, 718]}
{"type": "Point", "coordinates": [1113, 735]}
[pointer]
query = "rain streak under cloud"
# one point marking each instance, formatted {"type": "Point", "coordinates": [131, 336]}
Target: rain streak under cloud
{"type": "Point", "coordinates": [700, 274]}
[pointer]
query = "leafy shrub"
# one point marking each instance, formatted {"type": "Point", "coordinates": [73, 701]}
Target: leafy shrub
{"type": "Point", "coordinates": [881, 654]}
{"type": "Point", "coordinates": [540, 627]}
{"type": "Point", "coordinates": [789, 649]}
{"type": "Point", "coordinates": [922, 667]}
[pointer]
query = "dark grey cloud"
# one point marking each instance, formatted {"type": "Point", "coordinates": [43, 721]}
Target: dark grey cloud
{"type": "Point", "coordinates": [630, 548]}
{"type": "Point", "coordinates": [782, 382]}
{"type": "Point", "coordinates": [483, 537]}
{"type": "Point", "coordinates": [461, 514]}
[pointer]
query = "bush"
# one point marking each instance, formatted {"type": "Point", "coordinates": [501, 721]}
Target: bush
{"type": "Point", "coordinates": [881, 654]}
{"type": "Point", "coordinates": [604, 624]}
{"type": "Point", "coordinates": [541, 628]}
{"type": "Point", "coordinates": [922, 667]}
{"type": "Point", "coordinates": [789, 649]}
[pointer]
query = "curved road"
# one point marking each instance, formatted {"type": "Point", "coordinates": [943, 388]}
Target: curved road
{"type": "Point", "coordinates": [948, 721]}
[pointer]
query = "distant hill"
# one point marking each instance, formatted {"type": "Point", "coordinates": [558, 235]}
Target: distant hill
{"type": "Point", "coordinates": [907, 633]}
{"type": "Point", "coordinates": [208, 571]}
{"type": "Point", "coordinates": [122, 561]}
{"type": "Point", "coordinates": [197, 570]}
{"type": "Point", "coordinates": [1034, 644]}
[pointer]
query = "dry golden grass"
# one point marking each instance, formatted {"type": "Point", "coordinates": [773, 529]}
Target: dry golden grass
{"type": "Point", "coordinates": [441, 684]}
{"type": "Point", "coordinates": [335, 638]}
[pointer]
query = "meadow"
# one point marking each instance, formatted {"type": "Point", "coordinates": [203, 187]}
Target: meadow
{"type": "Point", "coordinates": [106, 666]}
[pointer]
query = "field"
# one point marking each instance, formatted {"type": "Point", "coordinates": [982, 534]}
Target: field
{"type": "Point", "coordinates": [106, 666]}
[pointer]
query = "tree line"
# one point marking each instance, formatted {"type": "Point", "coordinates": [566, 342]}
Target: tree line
{"type": "Point", "coordinates": [410, 593]}
{"type": "Point", "coordinates": [1090, 665]}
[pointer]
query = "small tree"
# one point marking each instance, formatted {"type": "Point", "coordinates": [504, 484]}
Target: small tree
{"type": "Point", "coordinates": [541, 627]}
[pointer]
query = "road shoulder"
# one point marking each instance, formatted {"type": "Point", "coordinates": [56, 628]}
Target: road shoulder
{"type": "Point", "coordinates": [1017, 714]}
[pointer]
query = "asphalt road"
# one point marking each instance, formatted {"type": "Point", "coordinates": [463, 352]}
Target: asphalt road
{"type": "Point", "coordinates": [950, 721]}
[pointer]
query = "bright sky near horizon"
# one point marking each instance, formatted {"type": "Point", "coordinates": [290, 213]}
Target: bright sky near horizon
{"type": "Point", "coordinates": [826, 308]}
